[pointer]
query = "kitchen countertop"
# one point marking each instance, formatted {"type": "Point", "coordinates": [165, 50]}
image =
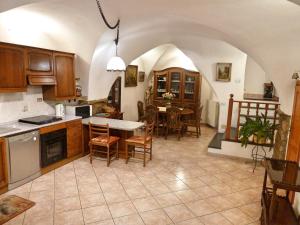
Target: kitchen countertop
{"type": "Point", "coordinates": [113, 123]}
{"type": "Point", "coordinates": [18, 127]}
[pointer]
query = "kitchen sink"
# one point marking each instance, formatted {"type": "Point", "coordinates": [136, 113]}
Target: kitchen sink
{"type": "Point", "coordinates": [5, 129]}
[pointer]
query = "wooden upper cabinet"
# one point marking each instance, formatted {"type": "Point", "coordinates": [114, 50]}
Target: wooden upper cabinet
{"type": "Point", "coordinates": [39, 61]}
{"type": "Point", "coordinates": [12, 69]}
{"type": "Point", "coordinates": [190, 88]}
{"type": "Point", "coordinates": [65, 78]}
{"type": "Point", "coordinates": [3, 164]}
{"type": "Point", "coordinates": [161, 85]}
{"type": "Point", "coordinates": [39, 67]}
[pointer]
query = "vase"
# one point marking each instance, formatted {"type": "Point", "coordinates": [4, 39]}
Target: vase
{"type": "Point", "coordinates": [168, 104]}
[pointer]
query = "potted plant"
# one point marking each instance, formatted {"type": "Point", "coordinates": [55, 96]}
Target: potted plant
{"type": "Point", "coordinates": [259, 128]}
{"type": "Point", "coordinates": [168, 96]}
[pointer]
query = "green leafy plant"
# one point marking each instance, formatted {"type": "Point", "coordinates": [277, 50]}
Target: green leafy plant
{"type": "Point", "coordinates": [260, 127]}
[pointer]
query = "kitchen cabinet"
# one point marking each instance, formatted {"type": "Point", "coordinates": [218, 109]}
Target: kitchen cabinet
{"type": "Point", "coordinates": [184, 84]}
{"type": "Point", "coordinates": [3, 164]}
{"type": "Point", "coordinates": [65, 78]}
{"type": "Point", "coordinates": [39, 66]}
{"type": "Point", "coordinates": [12, 69]}
{"type": "Point", "coordinates": [74, 138]}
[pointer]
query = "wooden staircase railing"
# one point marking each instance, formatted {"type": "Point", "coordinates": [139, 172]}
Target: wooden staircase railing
{"type": "Point", "coordinates": [252, 109]}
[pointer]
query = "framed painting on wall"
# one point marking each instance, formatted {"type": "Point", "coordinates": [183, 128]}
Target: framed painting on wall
{"type": "Point", "coordinates": [224, 72]}
{"type": "Point", "coordinates": [131, 76]}
{"type": "Point", "coordinates": [141, 76]}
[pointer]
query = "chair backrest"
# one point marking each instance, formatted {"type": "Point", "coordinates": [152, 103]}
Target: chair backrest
{"type": "Point", "coordinates": [98, 130]}
{"type": "Point", "coordinates": [140, 106]}
{"type": "Point", "coordinates": [173, 117]}
{"type": "Point", "coordinates": [199, 113]}
{"type": "Point", "coordinates": [151, 113]}
{"type": "Point", "coordinates": [149, 131]}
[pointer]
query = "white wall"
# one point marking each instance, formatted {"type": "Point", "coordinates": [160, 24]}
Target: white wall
{"type": "Point", "coordinates": [131, 95]}
{"type": "Point", "coordinates": [255, 77]}
{"type": "Point", "coordinates": [12, 105]}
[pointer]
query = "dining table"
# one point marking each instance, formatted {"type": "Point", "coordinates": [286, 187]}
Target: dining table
{"type": "Point", "coordinates": [183, 111]}
{"type": "Point", "coordinates": [120, 128]}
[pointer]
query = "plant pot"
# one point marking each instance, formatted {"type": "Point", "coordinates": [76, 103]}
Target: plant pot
{"type": "Point", "coordinates": [260, 141]}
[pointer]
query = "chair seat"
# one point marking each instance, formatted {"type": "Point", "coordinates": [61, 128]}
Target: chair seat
{"type": "Point", "coordinates": [138, 139]}
{"type": "Point", "coordinates": [104, 140]}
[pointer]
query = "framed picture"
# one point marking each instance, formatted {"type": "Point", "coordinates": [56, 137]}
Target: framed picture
{"type": "Point", "coordinates": [224, 72]}
{"type": "Point", "coordinates": [131, 76]}
{"type": "Point", "coordinates": [141, 76]}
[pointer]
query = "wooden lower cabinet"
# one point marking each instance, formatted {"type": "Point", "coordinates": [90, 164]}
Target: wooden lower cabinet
{"type": "Point", "coordinates": [74, 138]}
{"type": "Point", "coordinates": [3, 164]}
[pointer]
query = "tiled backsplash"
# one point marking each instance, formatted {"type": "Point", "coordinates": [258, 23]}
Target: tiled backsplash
{"type": "Point", "coordinates": [14, 106]}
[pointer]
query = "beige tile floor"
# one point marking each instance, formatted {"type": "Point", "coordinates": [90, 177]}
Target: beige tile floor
{"type": "Point", "coordinates": [182, 185]}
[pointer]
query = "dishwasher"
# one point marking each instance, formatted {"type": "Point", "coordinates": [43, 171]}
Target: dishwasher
{"type": "Point", "coordinates": [23, 152]}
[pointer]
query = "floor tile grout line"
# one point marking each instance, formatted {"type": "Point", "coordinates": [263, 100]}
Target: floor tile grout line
{"type": "Point", "coordinates": [102, 192]}
{"type": "Point", "coordinates": [73, 166]}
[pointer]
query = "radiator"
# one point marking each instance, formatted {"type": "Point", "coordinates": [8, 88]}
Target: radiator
{"type": "Point", "coordinates": [212, 113]}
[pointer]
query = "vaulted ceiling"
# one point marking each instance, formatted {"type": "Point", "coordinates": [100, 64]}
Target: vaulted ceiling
{"type": "Point", "coordinates": [268, 30]}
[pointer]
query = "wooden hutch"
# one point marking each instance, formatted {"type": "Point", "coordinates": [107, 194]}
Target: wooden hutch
{"type": "Point", "coordinates": [183, 83]}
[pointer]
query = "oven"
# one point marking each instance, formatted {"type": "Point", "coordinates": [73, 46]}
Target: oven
{"type": "Point", "coordinates": [53, 147]}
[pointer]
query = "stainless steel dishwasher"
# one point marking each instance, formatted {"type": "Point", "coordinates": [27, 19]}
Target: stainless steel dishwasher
{"type": "Point", "coordinates": [23, 152]}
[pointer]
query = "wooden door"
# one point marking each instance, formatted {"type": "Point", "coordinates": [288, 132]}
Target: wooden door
{"type": "Point", "coordinates": [293, 152]}
{"type": "Point", "coordinates": [160, 84]}
{"type": "Point", "coordinates": [65, 75]}
{"type": "Point", "coordinates": [12, 68]}
{"type": "Point", "coordinates": [74, 138]}
{"type": "Point", "coordinates": [3, 164]}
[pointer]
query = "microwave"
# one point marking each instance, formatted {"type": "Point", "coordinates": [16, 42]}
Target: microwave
{"type": "Point", "coordinates": [84, 111]}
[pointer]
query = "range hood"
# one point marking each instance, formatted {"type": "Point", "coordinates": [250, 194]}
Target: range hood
{"type": "Point", "coordinates": [39, 80]}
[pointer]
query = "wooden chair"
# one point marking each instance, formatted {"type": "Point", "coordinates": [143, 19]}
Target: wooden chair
{"type": "Point", "coordinates": [173, 121]}
{"type": "Point", "coordinates": [194, 121]}
{"type": "Point", "coordinates": [144, 142]}
{"type": "Point", "coordinates": [151, 115]}
{"type": "Point", "coordinates": [99, 138]}
{"type": "Point", "coordinates": [141, 113]}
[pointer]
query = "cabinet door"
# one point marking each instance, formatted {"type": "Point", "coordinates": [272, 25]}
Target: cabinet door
{"type": "Point", "coordinates": [12, 69]}
{"type": "Point", "coordinates": [74, 138]}
{"type": "Point", "coordinates": [65, 77]}
{"type": "Point", "coordinates": [175, 83]}
{"type": "Point", "coordinates": [3, 164]}
{"type": "Point", "coordinates": [39, 62]}
{"type": "Point", "coordinates": [190, 87]}
{"type": "Point", "coordinates": [161, 84]}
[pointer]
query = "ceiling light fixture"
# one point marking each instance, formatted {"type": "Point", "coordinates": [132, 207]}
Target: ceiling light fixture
{"type": "Point", "coordinates": [116, 63]}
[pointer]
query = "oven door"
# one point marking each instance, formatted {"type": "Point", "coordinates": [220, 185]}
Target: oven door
{"type": "Point", "coordinates": [53, 147]}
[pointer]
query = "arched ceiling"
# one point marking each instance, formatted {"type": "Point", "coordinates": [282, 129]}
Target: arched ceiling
{"type": "Point", "coordinates": [265, 29]}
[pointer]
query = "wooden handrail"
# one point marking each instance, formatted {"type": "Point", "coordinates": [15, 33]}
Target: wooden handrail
{"type": "Point", "coordinates": [229, 118]}
{"type": "Point", "coordinates": [252, 109]}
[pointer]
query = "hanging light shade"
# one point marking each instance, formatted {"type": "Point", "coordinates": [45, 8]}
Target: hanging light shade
{"type": "Point", "coordinates": [116, 63]}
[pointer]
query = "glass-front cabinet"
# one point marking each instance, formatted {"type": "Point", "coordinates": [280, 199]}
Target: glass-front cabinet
{"type": "Point", "coordinates": [161, 84]}
{"type": "Point", "coordinates": [184, 84]}
{"type": "Point", "coordinates": [189, 87]}
{"type": "Point", "coordinates": [175, 83]}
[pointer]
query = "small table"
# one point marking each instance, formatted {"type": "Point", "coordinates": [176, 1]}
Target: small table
{"type": "Point", "coordinates": [121, 128]}
{"type": "Point", "coordinates": [278, 210]}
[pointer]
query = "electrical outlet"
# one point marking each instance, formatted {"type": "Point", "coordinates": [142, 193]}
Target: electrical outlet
{"type": "Point", "coordinates": [25, 108]}
{"type": "Point", "coordinates": [39, 99]}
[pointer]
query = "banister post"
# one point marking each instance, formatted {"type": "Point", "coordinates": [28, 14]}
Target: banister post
{"type": "Point", "coordinates": [229, 118]}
